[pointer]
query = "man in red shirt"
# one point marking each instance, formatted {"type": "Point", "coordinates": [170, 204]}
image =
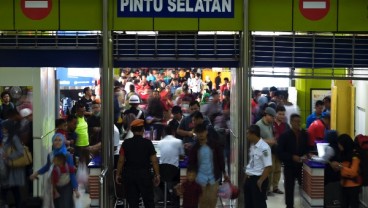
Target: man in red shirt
{"type": "Point", "coordinates": [279, 127]}
{"type": "Point", "coordinates": [317, 129]}
{"type": "Point", "coordinates": [225, 86]}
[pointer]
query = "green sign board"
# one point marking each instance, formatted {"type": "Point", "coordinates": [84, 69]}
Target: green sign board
{"type": "Point", "coordinates": [80, 15]}
{"type": "Point", "coordinates": [6, 15]}
{"type": "Point", "coordinates": [353, 15]}
{"type": "Point", "coordinates": [270, 15]}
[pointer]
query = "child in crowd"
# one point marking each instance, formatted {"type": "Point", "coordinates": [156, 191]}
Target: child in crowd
{"type": "Point", "coordinates": [190, 190]}
{"type": "Point", "coordinates": [61, 126]}
{"type": "Point", "coordinates": [60, 176]}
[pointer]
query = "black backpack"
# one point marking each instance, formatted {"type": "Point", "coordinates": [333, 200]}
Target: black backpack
{"type": "Point", "coordinates": [361, 142]}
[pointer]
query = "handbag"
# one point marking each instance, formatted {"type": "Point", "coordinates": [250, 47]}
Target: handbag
{"type": "Point", "coordinates": [24, 160]}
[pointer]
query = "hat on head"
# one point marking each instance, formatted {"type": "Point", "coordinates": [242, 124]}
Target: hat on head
{"type": "Point", "coordinates": [270, 111]}
{"type": "Point", "coordinates": [25, 112]}
{"type": "Point", "coordinates": [137, 122]}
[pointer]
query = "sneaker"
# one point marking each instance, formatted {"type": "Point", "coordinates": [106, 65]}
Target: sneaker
{"type": "Point", "coordinates": [278, 191]}
{"type": "Point", "coordinates": [269, 193]}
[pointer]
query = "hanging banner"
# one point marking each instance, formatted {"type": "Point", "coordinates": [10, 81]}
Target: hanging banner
{"type": "Point", "coordinates": [176, 8]}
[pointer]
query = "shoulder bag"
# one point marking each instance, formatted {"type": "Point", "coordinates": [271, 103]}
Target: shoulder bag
{"type": "Point", "coordinates": [24, 160]}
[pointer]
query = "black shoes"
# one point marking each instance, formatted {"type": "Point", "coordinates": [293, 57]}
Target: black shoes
{"type": "Point", "coordinates": [277, 191]}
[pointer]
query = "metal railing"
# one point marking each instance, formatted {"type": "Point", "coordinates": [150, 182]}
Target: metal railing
{"type": "Point", "coordinates": [343, 53]}
{"type": "Point", "coordinates": [171, 46]}
{"type": "Point", "coordinates": [50, 40]}
{"type": "Point", "coordinates": [45, 135]}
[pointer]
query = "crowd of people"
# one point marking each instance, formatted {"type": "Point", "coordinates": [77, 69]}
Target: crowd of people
{"type": "Point", "coordinates": [277, 138]}
{"type": "Point", "coordinates": [189, 119]}
{"type": "Point", "coordinates": [187, 115]}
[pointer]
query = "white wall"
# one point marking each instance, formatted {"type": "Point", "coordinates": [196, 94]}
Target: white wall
{"type": "Point", "coordinates": [361, 118]}
{"type": "Point", "coordinates": [361, 108]}
{"type": "Point", "coordinates": [42, 81]}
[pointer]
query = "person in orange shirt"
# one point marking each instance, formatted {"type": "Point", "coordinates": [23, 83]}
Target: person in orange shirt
{"type": "Point", "coordinates": [349, 169]}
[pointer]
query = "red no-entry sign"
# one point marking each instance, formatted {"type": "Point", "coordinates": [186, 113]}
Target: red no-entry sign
{"type": "Point", "coordinates": [36, 9]}
{"type": "Point", "coordinates": [314, 9]}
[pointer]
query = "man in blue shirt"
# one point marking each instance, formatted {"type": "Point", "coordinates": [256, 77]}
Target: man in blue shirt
{"type": "Point", "coordinates": [207, 159]}
{"type": "Point", "coordinates": [316, 114]}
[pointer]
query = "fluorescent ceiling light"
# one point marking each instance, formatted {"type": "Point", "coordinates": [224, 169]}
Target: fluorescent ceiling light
{"type": "Point", "coordinates": [217, 32]}
{"type": "Point", "coordinates": [271, 33]}
{"type": "Point", "coordinates": [141, 32]}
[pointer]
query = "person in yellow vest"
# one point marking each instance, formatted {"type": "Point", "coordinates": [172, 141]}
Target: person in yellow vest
{"type": "Point", "coordinates": [82, 141]}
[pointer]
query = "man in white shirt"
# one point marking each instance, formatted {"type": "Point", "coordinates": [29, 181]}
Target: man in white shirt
{"type": "Point", "coordinates": [257, 170]}
{"type": "Point", "coordinates": [171, 149]}
{"type": "Point", "coordinates": [196, 84]}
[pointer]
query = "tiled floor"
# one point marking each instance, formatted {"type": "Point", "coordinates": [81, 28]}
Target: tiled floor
{"type": "Point", "coordinates": [276, 201]}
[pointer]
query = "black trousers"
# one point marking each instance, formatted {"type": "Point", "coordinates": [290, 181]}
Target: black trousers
{"type": "Point", "coordinates": [253, 197]}
{"type": "Point", "coordinates": [138, 183]}
{"type": "Point", "coordinates": [290, 174]}
{"type": "Point", "coordinates": [350, 197]}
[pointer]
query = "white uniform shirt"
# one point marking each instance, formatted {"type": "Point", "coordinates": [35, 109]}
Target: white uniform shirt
{"type": "Point", "coordinates": [260, 157]}
{"type": "Point", "coordinates": [116, 140]}
{"type": "Point", "coordinates": [196, 85]}
{"type": "Point", "coordinates": [170, 148]}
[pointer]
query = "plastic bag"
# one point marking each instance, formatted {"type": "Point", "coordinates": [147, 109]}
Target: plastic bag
{"type": "Point", "coordinates": [228, 191]}
{"type": "Point", "coordinates": [82, 174]}
{"type": "Point", "coordinates": [224, 191]}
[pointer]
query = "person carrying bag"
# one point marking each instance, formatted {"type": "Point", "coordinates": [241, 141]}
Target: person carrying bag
{"type": "Point", "coordinates": [16, 175]}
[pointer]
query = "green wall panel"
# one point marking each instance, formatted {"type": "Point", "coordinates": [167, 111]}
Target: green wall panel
{"type": "Point", "coordinates": [172, 24]}
{"type": "Point", "coordinates": [6, 15]}
{"type": "Point", "coordinates": [303, 87]}
{"type": "Point", "coordinates": [270, 15]}
{"type": "Point", "coordinates": [51, 22]}
{"type": "Point", "coordinates": [80, 15]}
{"type": "Point", "coordinates": [328, 23]}
{"type": "Point", "coordinates": [140, 24]}
{"type": "Point", "coordinates": [224, 24]}
{"type": "Point", "coordinates": [359, 17]}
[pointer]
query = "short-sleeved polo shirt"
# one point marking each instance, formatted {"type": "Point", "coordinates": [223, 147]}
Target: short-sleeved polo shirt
{"type": "Point", "coordinates": [260, 158]}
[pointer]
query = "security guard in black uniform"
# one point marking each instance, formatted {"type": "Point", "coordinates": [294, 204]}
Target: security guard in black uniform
{"type": "Point", "coordinates": [257, 170]}
{"type": "Point", "coordinates": [137, 156]}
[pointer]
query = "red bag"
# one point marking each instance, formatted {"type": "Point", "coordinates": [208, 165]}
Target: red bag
{"type": "Point", "coordinates": [234, 191]}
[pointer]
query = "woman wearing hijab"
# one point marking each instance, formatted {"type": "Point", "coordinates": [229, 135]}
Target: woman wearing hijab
{"type": "Point", "coordinates": [58, 147]}
{"type": "Point", "coordinates": [16, 176]}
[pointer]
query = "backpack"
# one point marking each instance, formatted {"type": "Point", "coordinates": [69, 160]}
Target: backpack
{"type": "Point", "coordinates": [361, 142]}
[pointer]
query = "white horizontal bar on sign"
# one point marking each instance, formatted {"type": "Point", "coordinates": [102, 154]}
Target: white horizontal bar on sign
{"type": "Point", "coordinates": [36, 4]}
{"type": "Point", "coordinates": [314, 5]}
